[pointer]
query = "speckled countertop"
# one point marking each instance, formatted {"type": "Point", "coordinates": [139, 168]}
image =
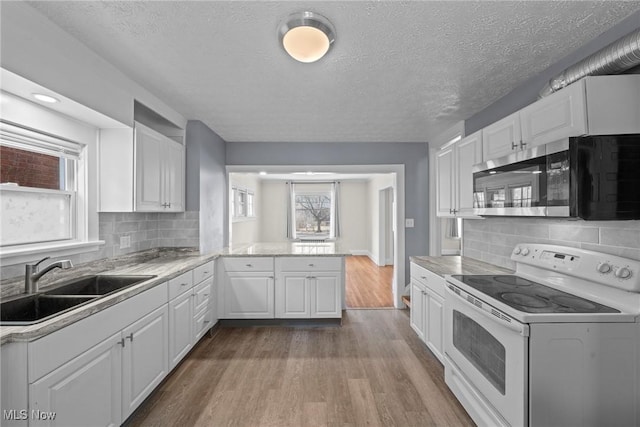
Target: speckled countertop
{"type": "Point", "coordinates": [165, 264]}
{"type": "Point", "coordinates": [442, 265]}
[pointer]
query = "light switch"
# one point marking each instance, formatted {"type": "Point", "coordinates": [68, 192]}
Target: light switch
{"type": "Point", "coordinates": [408, 222]}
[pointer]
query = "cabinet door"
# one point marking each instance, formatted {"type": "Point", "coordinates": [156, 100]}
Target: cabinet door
{"type": "Point", "coordinates": [434, 324]}
{"type": "Point", "coordinates": [417, 309]}
{"type": "Point", "coordinates": [292, 296]}
{"type": "Point", "coordinates": [85, 391]}
{"type": "Point", "coordinates": [249, 295]}
{"type": "Point", "coordinates": [145, 358]}
{"type": "Point", "coordinates": [173, 176]}
{"type": "Point", "coordinates": [559, 115]}
{"type": "Point", "coordinates": [445, 191]}
{"type": "Point", "coordinates": [148, 164]}
{"type": "Point", "coordinates": [501, 138]}
{"type": "Point", "coordinates": [326, 295]}
{"type": "Point", "coordinates": [180, 332]}
{"type": "Point", "coordinates": [468, 153]}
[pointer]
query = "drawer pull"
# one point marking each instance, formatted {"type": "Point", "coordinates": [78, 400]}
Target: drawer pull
{"type": "Point", "coordinates": [183, 284]}
{"type": "Point", "coordinates": [206, 272]}
{"type": "Point", "coordinates": [206, 321]}
{"type": "Point", "coordinates": [206, 295]}
{"type": "Point", "coordinates": [249, 265]}
{"type": "Point", "coordinates": [311, 265]}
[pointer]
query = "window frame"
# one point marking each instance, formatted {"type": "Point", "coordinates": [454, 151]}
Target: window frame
{"type": "Point", "coordinates": [328, 192]}
{"type": "Point", "coordinates": [239, 204]}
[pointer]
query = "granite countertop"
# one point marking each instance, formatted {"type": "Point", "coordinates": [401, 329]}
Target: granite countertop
{"type": "Point", "coordinates": [164, 263]}
{"type": "Point", "coordinates": [287, 249]}
{"type": "Point", "coordinates": [442, 265]}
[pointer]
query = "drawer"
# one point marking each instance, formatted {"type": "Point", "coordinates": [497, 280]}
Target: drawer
{"type": "Point", "coordinates": [428, 278]}
{"type": "Point", "coordinates": [201, 324]}
{"type": "Point", "coordinates": [179, 285]}
{"type": "Point", "coordinates": [201, 295]}
{"type": "Point", "coordinates": [309, 264]}
{"type": "Point", "coordinates": [203, 272]}
{"type": "Point", "coordinates": [248, 264]}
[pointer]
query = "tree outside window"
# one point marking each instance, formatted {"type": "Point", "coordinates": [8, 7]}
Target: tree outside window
{"type": "Point", "coordinates": [313, 215]}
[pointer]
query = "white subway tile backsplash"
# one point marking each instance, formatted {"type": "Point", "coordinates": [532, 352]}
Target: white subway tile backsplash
{"type": "Point", "coordinates": [492, 239]}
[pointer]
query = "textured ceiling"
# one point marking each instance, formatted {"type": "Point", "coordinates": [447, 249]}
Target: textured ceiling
{"type": "Point", "coordinates": [398, 71]}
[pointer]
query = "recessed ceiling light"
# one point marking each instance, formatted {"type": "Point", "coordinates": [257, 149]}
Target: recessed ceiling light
{"type": "Point", "coordinates": [306, 36]}
{"type": "Point", "coordinates": [45, 98]}
{"type": "Point", "coordinates": [262, 173]}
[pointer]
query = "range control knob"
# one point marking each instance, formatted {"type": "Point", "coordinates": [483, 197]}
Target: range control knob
{"type": "Point", "coordinates": [623, 273]}
{"type": "Point", "coordinates": [516, 250]}
{"type": "Point", "coordinates": [604, 268]}
{"type": "Point", "coordinates": [525, 251]}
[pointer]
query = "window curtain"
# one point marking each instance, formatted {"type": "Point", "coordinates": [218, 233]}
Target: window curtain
{"type": "Point", "coordinates": [290, 232]}
{"type": "Point", "coordinates": [335, 211]}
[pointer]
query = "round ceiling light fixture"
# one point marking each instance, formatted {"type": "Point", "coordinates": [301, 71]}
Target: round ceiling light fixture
{"type": "Point", "coordinates": [306, 36]}
{"type": "Point", "coordinates": [45, 98]}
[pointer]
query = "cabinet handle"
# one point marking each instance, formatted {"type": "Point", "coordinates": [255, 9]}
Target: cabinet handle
{"type": "Point", "coordinates": [183, 284]}
{"type": "Point", "coordinates": [206, 295]}
{"type": "Point", "coordinates": [168, 205]}
{"type": "Point", "coordinates": [514, 145]}
{"type": "Point", "coordinates": [523, 145]}
{"type": "Point", "coordinates": [206, 321]}
{"type": "Point", "coordinates": [311, 265]}
{"type": "Point", "coordinates": [130, 336]}
{"type": "Point", "coordinates": [206, 272]}
{"type": "Point", "coordinates": [121, 342]}
{"type": "Point", "coordinates": [271, 277]}
{"type": "Point", "coordinates": [249, 265]}
{"type": "Point", "coordinates": [423, 277]}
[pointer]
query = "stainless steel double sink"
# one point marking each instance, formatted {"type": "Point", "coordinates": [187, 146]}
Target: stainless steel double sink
{"type": "Point", "coordinates": [35, 308]}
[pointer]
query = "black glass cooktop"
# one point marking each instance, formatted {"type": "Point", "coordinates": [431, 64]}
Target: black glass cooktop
{"type": "Point", "coordinates": [531, 297]}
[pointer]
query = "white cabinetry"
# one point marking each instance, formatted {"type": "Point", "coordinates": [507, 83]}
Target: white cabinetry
{"type": "Point", "coordinates": [140, 170]}
{"type": "Point", "coordinates": [96, 371]}
{"type": "Point", "coordinates": [247, 288]}
{"type": "Point", "coordinates": [595, 105]}
{"type": "Point", "coordinates": [308, 287]}
{"type": "Point", "coordinates": [454, 179]}
{"type": "Point", "coordinates": [427, 299]}
{"type": "Point", "coordinates": [190, 314]}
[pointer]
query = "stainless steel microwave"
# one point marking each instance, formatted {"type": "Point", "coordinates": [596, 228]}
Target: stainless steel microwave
{"type": "Point", "coordinates": [588, 177]}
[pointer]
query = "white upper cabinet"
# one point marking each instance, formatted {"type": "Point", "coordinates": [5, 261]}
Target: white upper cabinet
{"type": "Point", "coordinates": [595, 105]}
{"type": "Point", "coordinates": [454, 179]}
{"type": "Point", "coordinates": [502, 137]}
{"type": "Point", "coordinates": [559, 115]}
{"type": "Point", "coordinates": [140, 170]}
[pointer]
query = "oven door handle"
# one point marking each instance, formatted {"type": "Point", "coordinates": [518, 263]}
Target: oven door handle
{"type": "Point", "coordinates": [489, 312]}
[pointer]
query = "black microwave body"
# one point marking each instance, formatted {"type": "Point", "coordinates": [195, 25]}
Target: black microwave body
{"type": "Point", "coordinates": [589, 177]}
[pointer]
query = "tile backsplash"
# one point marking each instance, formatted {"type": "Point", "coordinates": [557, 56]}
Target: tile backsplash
{"type": "Point", "coordinates": [492, 239]}
{"type": "Point", "coordinates": [146, 231]}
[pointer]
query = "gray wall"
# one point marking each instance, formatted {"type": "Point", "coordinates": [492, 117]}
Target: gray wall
{"type": "Point", "coordinates": [207, 184]}
{"type": "Point", "coordinates": [414, 156]}
{"type": "Point", "coordinates": [493, 239]}
{"type": "Point", "coordinates": [528, 91]}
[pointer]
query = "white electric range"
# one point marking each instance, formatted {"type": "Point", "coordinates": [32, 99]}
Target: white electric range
{"type": "Point", "coordinates": [555, 344]}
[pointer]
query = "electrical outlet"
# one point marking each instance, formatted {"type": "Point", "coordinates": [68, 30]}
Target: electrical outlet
{"type": "Point", "coordinates": [125, 242]}
{"type": "Point", "coordinates": [408, 223]}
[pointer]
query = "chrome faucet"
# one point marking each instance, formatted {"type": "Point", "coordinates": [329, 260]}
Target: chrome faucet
{"type": "Point", "coordinates": [33, 273]}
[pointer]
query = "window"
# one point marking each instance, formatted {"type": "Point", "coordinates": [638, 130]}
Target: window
{"type": "Point", "coordinates": [38, 188]}
{"type": "Point", "coordinates": [242, 203]}
{"type": "Point", "coordinates": [312, 215]}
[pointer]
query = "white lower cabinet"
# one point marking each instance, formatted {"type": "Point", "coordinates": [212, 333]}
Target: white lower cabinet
{"type": "Point", "coordinates": [249, 295]}
{"type": "Point", "coordinates": [180, 322]}
{"type": "Point", "coordinates": [103, 385]}
{"type": "Point", "coordinates": [426, 316]}
{"type": "Point", "coordinates": [145, 360]}
{"type": "Point", "coordinates": [308, 287]}
{"type": "Point", "coordinates": [86, 391]}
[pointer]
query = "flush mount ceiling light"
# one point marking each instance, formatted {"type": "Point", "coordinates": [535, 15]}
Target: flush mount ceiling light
{"type": "Point", "coordinates": [306, 36]}
{"type": "Point", "coordinates": [45, 98]}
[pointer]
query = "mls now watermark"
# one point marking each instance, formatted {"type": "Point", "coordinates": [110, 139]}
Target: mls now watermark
{"type": "Point", "coordinates": [23, 414]}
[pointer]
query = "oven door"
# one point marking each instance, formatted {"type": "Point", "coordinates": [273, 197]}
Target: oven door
{"type": "Point", "coordinates": [486, 360]}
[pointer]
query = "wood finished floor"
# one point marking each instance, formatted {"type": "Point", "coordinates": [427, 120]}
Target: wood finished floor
{"type": "Point", "coordinates": [367, 285]}
{"type": "Point", "coordinates": [373, 370]}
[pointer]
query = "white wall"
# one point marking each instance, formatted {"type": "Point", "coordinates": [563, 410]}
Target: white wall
{"type": "Point", "coordinates": [376, 184]}
{"type": "Point", "coordinates": [247, 230]}
{"type": "Point", "coordinates": [354, 214]}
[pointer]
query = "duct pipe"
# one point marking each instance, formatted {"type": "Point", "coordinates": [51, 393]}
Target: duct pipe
{"type": "Point", "coordinates": [615, 58]}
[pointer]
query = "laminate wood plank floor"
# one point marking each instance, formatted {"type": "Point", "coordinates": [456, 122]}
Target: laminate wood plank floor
{"type": "Point", "coordinates": [368, 285]}
{"type": "Point", "coordinates": [373, 370]}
